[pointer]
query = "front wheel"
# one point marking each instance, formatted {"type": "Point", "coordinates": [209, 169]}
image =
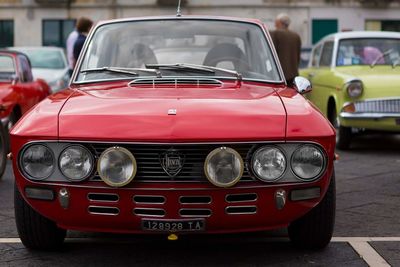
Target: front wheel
{"type": "Point", "coordinates": [3, 150]}
{"type": "Point", "coordinates": [314, 230]}
{"type": "Point", "coordinates": [34, 230]}
{"type": "Point", "coordinates": [343, 134]}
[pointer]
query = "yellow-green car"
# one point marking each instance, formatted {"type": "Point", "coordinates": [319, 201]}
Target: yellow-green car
{"type": "Point", "coordinates": [356, 82]}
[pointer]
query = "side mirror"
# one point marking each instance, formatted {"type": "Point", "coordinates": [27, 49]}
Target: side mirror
{"type": "Point", "coordinates": [14, 79]}
{"type": "Point", "coordinates": [302, 85]}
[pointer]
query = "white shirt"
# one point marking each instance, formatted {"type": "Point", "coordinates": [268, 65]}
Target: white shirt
{"type": "Point", "coordinates": [70, 48]}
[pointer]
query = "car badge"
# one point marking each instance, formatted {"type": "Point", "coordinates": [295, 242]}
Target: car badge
{"type": "Point", "coordinates": [172, 161]}
{"type": "Point", "coordinates": [171, 111]}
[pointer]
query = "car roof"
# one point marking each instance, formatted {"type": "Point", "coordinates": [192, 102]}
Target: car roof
{"type": "Point", "coordinates": [17, 48]}
{"type": "Point", "coordinates": [11, 52]}
{"type": "Point", "coordinates": [191, 17]}
{"type": "Point", "coordinates": [363, 34]}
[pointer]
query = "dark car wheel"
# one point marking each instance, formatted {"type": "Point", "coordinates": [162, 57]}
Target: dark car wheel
{"type": "Point", "coordinates": [314, 230]}
{"type": "Point", "coordinates": [36, 231]}
{"type": "Point", "coordinates": [3, 150]}
{"type": "Point", "coordinates": [343, 134]}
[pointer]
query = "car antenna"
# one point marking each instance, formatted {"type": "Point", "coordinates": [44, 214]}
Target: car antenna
{"type": "Point", "coordinates": [178, 10]}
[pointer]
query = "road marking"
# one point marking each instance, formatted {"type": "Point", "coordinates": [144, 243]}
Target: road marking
{"type": "Point", "coordinates": [271, 239]}
{"type": "Point", "coordinates": [368, 254]}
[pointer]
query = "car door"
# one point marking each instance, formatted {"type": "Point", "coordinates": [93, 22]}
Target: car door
{"type": "Point", "coordinates": [31, 92]}
{"type": "Point", "coordinates": [321, 76]}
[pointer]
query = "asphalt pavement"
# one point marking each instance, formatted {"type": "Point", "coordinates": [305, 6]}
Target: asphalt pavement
{"type": "Point", "coordinates": [367, 230]}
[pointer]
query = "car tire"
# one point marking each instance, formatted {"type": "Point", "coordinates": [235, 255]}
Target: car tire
{"type": "Point", "coordinates": [343, 134]}
{"type": "Point", "coordinates": [14, 117]}
{"type": "Point", "coordinates": [3, 150]}
{"type": "Point", "coordinates": [34, 230]}
{"type": "Point", "coordinates": [343, 137]}
{"type": "Point", "coordinates": [314, 230]}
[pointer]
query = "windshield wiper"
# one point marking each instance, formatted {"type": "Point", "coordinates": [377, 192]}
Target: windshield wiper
{"type": "Point", "coordinates": [130, 71]}
{"type": "Point", "coordinates": [384, 54]}
{"type": "Point", "coordinates": [194, 67]}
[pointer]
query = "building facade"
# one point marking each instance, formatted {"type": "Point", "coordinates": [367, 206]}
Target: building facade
{"type": "Point", "coordinates": [48, 22]}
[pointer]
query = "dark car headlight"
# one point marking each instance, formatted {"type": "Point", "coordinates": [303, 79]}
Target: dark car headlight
{"type": "Point", "coordinates": [76, 163]}
{"type": "Point", "coordinates": [269, 163]}
{"type": "Point", "coordinates": [308, 162]}
{"type": "Point", "coordinates": [37, 161]}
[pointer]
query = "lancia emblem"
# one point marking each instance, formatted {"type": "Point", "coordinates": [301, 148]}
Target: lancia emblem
{"type": "Point", "coordinates": [172, 161]}
{"type": "Point", "coordinates": [171, 111]}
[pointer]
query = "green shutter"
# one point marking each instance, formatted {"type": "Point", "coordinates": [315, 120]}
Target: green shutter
{"type": "Point", "coordinates": [323, 27]}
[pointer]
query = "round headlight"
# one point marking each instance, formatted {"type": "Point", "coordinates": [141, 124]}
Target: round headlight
{"type": "Point", "coordinates": [354, 89]}
{"type": "Point", "coordinates": [76, 163]}
{"type": "Point", "coordinates": [224, 167]}
{"type": "Point", "coordinates": [269, 163]}
{"type": "Point", "coordinates": [116, 166]}
{"type": "Point", "coordinates": [308, 162]}
{"type": "Point", "coordinates": [37, 161]}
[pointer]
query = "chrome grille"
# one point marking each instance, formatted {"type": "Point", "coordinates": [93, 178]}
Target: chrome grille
{"type": "Point", "coordinates": [150, 169]}
{"type": "Point", "coordinates": [378, 106]}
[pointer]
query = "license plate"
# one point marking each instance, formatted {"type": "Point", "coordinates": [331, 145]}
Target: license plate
{"type": "Point", "coordinates": [173, 225]}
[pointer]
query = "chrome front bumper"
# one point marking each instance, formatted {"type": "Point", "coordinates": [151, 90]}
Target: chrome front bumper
{"type": "Point", "coordinates": [368, 115]}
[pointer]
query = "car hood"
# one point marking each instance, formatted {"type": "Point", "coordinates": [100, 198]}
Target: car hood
{"type": "Point", "coordinates": [173, 114]}
{"type": "Point", "coordinates": [49, 75]}
{"type": "Point", "coordinates": [379, 81]}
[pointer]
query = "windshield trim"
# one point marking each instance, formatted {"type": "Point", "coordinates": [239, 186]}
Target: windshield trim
{"type": "Point", "coordinates": [266, 35]}
{"type": "Point", "coordinates": [177, 77]}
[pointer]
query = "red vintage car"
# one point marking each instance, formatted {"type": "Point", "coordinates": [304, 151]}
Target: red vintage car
{"type": "Point", "coordinates": [18, 93]}
{"type": "Point", "coordinates": [175, 125]}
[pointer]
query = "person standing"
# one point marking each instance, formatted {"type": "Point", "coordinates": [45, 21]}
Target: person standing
{"type": "Point", "coordinates": [70, 49]}
{"type": "Point", "coordinates": [83, 27]}
{"type": "Point", "coordinates": [288, 46]}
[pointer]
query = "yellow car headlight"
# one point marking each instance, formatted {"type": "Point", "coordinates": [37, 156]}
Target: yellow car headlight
{"type": "Point", "coordinates": [224, 167]}
{"type": "Point", "coordinates": [117, 166]}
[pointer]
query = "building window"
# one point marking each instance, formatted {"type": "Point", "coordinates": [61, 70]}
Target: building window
{"type": "Point", "coordinates": [56, 31]}
{"type": "Point", "coordinates": [382, 25]}
{"type": "Point", "coordinates": [6, 33]}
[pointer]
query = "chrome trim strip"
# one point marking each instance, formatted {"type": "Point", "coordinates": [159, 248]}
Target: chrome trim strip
{"type": "Point", "coordinates": [104, 213]}
{"type": "Point", "coordinates": [197, 203]}
{"type": "Point", "coordinates": [149, 215]}
{"type": "Point", "coordinates": [241, 194]}
{"type": "Point", "coordinates": [150, 196]}
{"type": "Point", "coordinates": [355, 115]}
{"type": "Point", "coordinates": [105, 194]}
{"type": "Point", "coordinates": [240, 207]}
{"type": "Point", "coordinates": [194, 215]}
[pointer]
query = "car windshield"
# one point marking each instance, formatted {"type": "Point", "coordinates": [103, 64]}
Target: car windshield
{"type": "Point", "coordinates": [175, 46]}
{"type": "Point", "coordinates": [7, 68]}
{"type": "Point", "coordinates": [368, 51]}
{"type": "Point", "coordinates": [45, 59]}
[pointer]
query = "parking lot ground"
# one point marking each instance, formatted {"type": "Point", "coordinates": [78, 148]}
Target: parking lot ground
{"type": "Point", "coordinates": [204, 251]}
{"type": "Point", "coordinates": [389, 251]}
